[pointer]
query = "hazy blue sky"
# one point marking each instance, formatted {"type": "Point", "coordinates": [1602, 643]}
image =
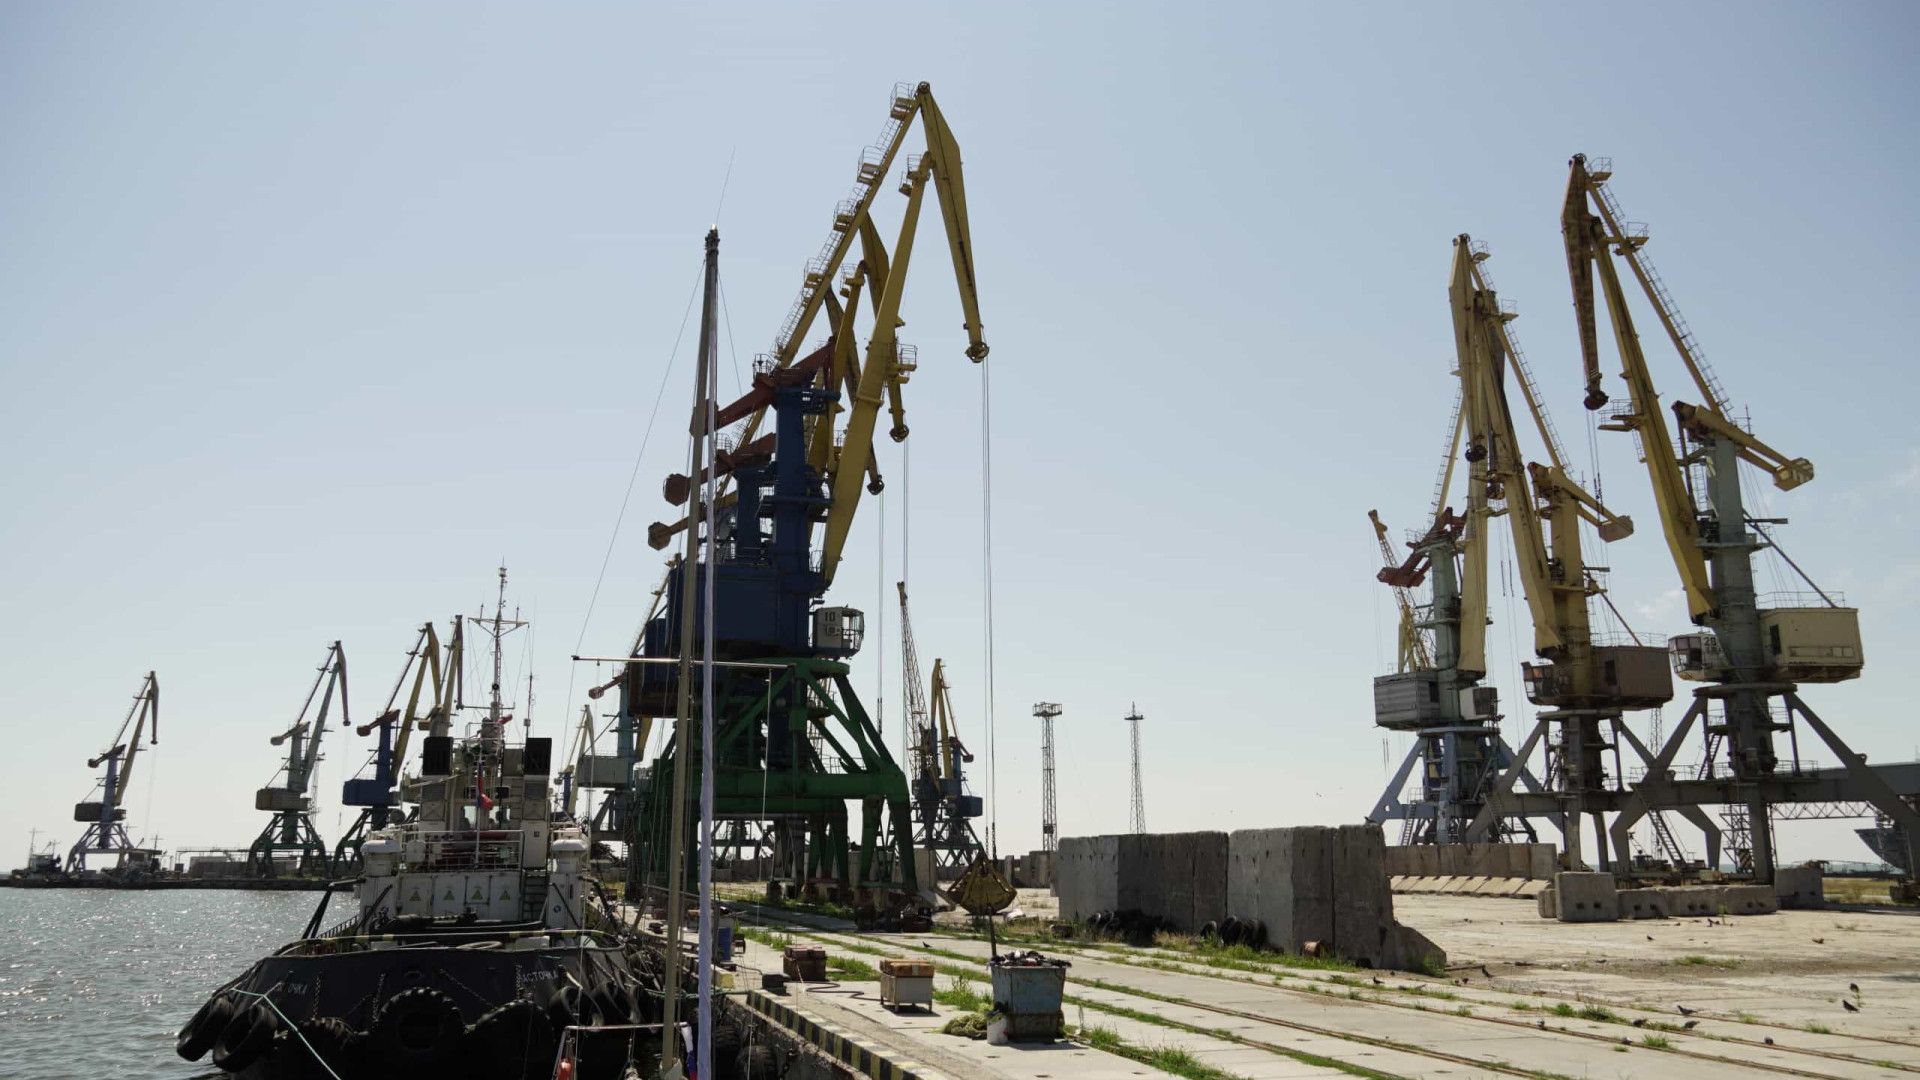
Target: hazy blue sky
{"type": "Point", "coordinates": [314, 313]}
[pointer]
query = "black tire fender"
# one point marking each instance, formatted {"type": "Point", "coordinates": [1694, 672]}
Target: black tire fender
{"type": "Point", "coordinates": [418, 1028]}
{"type": "Point", "coordinates": [199, 1034]}
{"type": "Point", "coordinates": [513, 1040]}
{"type": "Point", "coordinates": [245, 1038]}
{"type": "Point", "coordinates": [613, 1003]}
{"type": "Point", "coordinates": [329, 1041]}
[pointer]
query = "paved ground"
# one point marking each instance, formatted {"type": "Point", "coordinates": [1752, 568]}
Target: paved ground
{"type": "Point", "coordinates": [1793, 968]}
{"type": "Point", "coordinates": [1560, 1002]}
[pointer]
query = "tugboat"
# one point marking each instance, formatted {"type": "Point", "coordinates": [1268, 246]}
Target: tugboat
{"type": "Point", "coordinates": [478, 936]}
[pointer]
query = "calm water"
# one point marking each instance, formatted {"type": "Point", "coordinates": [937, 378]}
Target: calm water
{"type": "Point", "coordinates": [95, 983]}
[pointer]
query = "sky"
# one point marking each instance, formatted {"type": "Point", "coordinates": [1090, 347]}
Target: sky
{"type": "Point", "coordinates": [316, 315]}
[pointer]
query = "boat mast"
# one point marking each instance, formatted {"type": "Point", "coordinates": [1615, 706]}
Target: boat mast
{"type": "Point", "coordinates": [682, 728]}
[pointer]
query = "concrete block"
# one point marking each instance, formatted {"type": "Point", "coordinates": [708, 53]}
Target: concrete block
{"type": "Point", "coordinates": [1089, 875]}
{"type": "Point", "coordinates": [1176, 864]}
{"type": "Point", "coordinates": [1362, 904]}
{"type": "Point", "coordinates": [1406, 949]}
{"type": "Point", "coordinates": [1800, 886]}
{"type": "Point", "coordinates": [1401, 860]}
{"type": "Point", "coordinates": [1543, 862]}
{"type": "Point", "coordinates": [1750, 899]}
{"type": "Point", "coordinates": [1243, 872]}
{"type": "Point", "coordinates": [1134, 856]}
{"type": "Point", "coordinates": [1642, 903]}
{"type": "Point", "coordinates": [1519, 859]}
{"type": "Point", "coordinates": [1694, 901]}
{"type": "Point", "coordinates": [1549, 902]}
{"type": "Point", "coordinates": [1584, 897]}
{"type": "Point", "coordinates": [1209, 878]}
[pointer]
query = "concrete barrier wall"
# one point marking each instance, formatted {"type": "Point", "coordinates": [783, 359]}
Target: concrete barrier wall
{"type": "Point", "coordinates": [1320, 884]}
{"type": "Point", "coordinates": [1087, 875]}
{"type": "Point", "coordinates": [1532, 861]}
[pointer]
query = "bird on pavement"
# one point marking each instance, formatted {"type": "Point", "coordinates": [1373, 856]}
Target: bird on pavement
{"type": "Point", "coordinates": [1689, 1025]}
{"type": "Point", "coordinates": [1855, 987]}
{"type": "Point", "coordinates": [1848, 1005]}
{"type": "Point", "coordinates": [1769, 1040]}
{"type": "Point", "coordinates": [1642, 1022]}
{"type": "Point", "coordinates": [1819, 941]}
{"type": "Point", "coordinates": [1684, 1011]}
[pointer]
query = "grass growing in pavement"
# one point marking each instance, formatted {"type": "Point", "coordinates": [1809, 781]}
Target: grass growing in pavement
{"type": "Point", "coordinates": [851, 969]}
{"type": "Point", "coordinates": [1696, 960]}
{"type": "Point", "coordinates": [960, 994]}
{"type": "Point", "coordinates": [770, 938]}
{"type": "Point", "coordinates": [1657, 1042]}
{"type": "Point", "coordinates": [1819, 1029]}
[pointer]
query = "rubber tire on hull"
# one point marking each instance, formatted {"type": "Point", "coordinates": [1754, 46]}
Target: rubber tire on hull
{"type": "Point", "coordinates": [199, 1034]}
{"type": "Point", "coordinates": [615, 1006]}
{"type": "Point", "coordinates": [566, 1008]}
{"type": "Point", "coordinates": [324, 1048]}
{"type": "Point", "coordinates": [417, 1033]}
{"type": "Point", "coordinates": [247, 1036]}
{"type": "Point", "coordinates": [515, 1040]}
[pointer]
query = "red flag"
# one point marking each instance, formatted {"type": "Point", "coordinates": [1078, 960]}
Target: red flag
{"type": "Point", "coordinates": [480, 786]}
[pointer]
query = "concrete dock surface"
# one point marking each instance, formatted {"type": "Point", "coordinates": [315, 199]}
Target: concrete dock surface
{"type": "Point", "coordinates": [1562, 1001]}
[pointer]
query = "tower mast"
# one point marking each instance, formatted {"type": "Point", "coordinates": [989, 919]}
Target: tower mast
{"type": "Point", "coordinates": [1138, 822]}
{"type": "Point", "coordinates": [1049, 809]}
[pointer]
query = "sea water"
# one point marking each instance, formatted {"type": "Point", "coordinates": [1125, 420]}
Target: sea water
{"type": "Point", "coordinates": [96, 983]}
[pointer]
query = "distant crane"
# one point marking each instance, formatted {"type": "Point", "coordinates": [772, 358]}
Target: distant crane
{"type": "Point", "coordinates": [1413, 652]}
{"type": "Point", "coordinates": [936, 759]}
{"type": "Point", "coordinates": [1138, 816]}
{"type": "Point", "coordinates": [1047, 711]}
{"type": "Point", "coordinates": [290, 826]}
{"type": "Point", "coordinates": [378, 795]}
{"type": "Point", "coordinates": [104, 818]}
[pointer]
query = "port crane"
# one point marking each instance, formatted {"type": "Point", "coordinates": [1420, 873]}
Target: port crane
{"type": "Point", "coordinates": [378, 795]}
{"type": "Point", "coordinates": [289, 805]}
{"type": "Point", "coordinates": [1752, 651]}
{"type": "Point", "coordinates": [943, 808]}
{"type": "Point", "coordinates": [1585, 680]}
{"type": "Point", "coordinates": [105, 817]}
{"type": "Point", "coordinates": [793, 744]}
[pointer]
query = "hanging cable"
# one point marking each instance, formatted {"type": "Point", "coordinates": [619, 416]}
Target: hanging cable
{"type": "Point", "coordinates": [986, 559]}
{"type": "Point", "coordinates": [633, 475]}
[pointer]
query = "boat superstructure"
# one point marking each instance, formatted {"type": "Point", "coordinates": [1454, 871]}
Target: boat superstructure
{"type": "Point", "coordinates": [476, 934]}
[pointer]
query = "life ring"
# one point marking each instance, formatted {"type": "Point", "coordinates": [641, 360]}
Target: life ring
{"type": "Point", "coordinates": [245, 1038]}
{"type": "Point", "coordinates": [199, 1034]}
{"type": "Point", "coordinates": [513, 1040]}
{"type": "Point", "coordinates": [418, 1028]}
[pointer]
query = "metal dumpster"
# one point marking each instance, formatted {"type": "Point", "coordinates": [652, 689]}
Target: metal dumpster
{"type": "Point", "coordinates": [1027, 989]}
